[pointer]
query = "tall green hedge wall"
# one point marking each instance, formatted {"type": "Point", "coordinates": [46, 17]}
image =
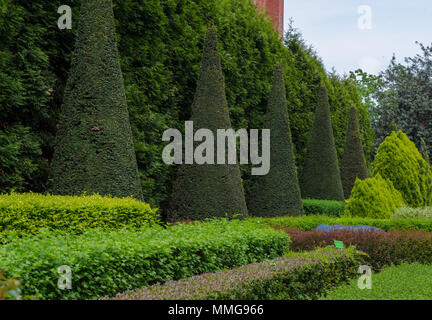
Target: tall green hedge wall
{"type": "Point", "coordinates": [160, 44]}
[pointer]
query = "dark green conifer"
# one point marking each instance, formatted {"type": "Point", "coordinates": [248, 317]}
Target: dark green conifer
{"type": "Point", "coordinates": [353, 161]}
{"type": "Point", "coordinates": [209, 190]}
{"type": "Point", "coordinates": [94, 152]}
{"type": "Point", "coordinates": [278, 192]}
{"type": "Point", "coordinates": [320, 178]}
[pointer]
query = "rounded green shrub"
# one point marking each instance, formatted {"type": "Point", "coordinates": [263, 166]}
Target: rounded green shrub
{"type": "Point", "coordinates": [399, 161]}
{"type": "Point", "coordinates": [373, 198]}
{"type": "Point", "coordinates": [29, 213]}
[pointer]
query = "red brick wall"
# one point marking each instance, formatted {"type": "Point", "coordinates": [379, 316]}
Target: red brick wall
{"type": "Point", "coordinates": [275, 9]}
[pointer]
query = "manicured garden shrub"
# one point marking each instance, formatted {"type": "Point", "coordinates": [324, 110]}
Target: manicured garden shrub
{"type": "Point", "coordinates": [329, 208]}
{"type": "Point", "coordinates": [399, 161]}
{"type": "Point", "coordinates": [382, 248]}
{"type": "Point", "coordinates": [211, 189]}
{"type": "Point", "coordinates": [308, 223]}
{"type": "Point", "coordinates": [320, 177]}
{"type": "Point", "coordinates": [106, 263]}
{"type": "Point", "coordinates": [28, 213]}
{"type": "Point", "coordinates": [353, 165]}
{"type": "Point", "coordinates": [94, 151]}
{"type": "Point", "coordinates": [423, 213]}
{"type": "Point", "coordinates": [277, 193]}
{"type": "Point", "coordinates": [373, 198]}
{"type": "Point", "coordinates": [295, 277]}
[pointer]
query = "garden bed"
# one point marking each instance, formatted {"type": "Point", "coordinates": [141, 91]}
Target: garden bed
{"type": "Point", "coordinates": [297, 276]}
{"type": "Point", "coordinates": [108, 262]}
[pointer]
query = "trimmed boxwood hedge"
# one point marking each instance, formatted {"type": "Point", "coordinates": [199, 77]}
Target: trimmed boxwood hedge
{"type": "Point", "coordinates": [105, 263]}
{"type": "Point", "coordinates": [330, 208]}
{"type": "Point", "coordinates": [28, 213]}
{"type": "Point", "coordinates": [298, 276]}
{"type": "Point", "coordinates": [308, 223]}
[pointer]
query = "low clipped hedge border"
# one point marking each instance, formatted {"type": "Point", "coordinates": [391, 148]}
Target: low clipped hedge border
{"type": "Point", "coordinates": [382, 248]}
{"type": "Point", "coordinates": [299, 277]}
{"type": "Point", "coordinates": [30, 212]}
{"type": "Point", "coordinates": [329, 208]}
{"type": "Point", "coordinates": [105, 263]}
{"type": "Point", "coordinates": [308, 223]}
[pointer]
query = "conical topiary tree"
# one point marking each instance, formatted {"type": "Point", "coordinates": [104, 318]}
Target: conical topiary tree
{"type": "Point", "coordinates": [94, 152]}
{"type": "Point", "coordinates": [209, 190]}
{"type": "Point", "coordinates": [399, 161]}
{"type": "Point", "coordinates": [320, 178]}
{"type": "Point", "coordinates": [353, 161]}
{"type": "Point", "coordinates": [278, 192]}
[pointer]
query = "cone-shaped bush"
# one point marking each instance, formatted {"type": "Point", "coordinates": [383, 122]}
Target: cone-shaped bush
{"type": "Point", "coordinates": [399, 161]}
{"type": "Point", "coordinates": [94, 152]}
{"type": "Point", "coordinates": [209, 190]}
{"type": "Point", "coordinates": [278, 192]}
{"type": "Point", "coordinates": [320, 178]}
{"type": "Point", "coordinates": [353, 161]}
{"type": "Point", "coordinates": [373, 198]}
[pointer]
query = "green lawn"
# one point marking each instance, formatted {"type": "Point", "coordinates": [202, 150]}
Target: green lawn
{"type": "Point", "coordinates": [404, 282]}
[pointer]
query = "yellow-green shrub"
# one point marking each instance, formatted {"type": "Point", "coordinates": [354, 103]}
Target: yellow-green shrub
{"type": "Point", "coordinates": [30, 212]}
{"type": "Point", "coordinates": [399, 161]}
{"type": "Point", "coordinates": [373, 198]}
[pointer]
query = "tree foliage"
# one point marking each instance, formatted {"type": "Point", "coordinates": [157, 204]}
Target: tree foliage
{"type": "Point", "coordinates": [402, 97]}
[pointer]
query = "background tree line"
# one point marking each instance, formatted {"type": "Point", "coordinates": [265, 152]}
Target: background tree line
{"type": "Point", "coordinates": [400, 98]}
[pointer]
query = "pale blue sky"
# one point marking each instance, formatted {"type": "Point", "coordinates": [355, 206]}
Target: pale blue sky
{"type": "Point", "coordinates": [331, 27]}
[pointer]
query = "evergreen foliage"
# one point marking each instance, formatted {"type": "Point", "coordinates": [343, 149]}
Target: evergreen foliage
{"type": "Point", "coordinates": [209, 190]}
{"type": "Point", "coordinates": [404, 97]}
{"type": "Point", "coordinates": [94, 151]}
{"type": "Point", "coordinates": [320, 178]}
{"type": "Point", "coordinates": [353, 161]}
{"type": "Point", "coordinates": [160, 67]}
{"type": "Point", "coordinates": [373, 198]}
{"type": "Point", "coordinates": [399, 161]}
{"type": "Point", "coordinates": [278, 192]}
